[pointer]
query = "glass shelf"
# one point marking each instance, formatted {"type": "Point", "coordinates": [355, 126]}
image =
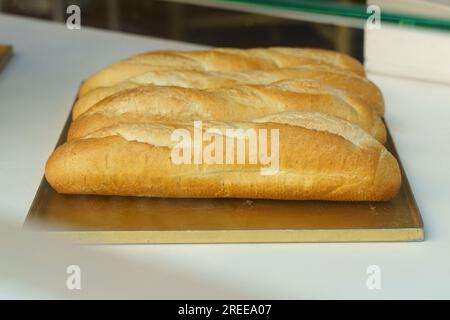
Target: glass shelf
{"type": "Point", "coordinates": [430, 14]}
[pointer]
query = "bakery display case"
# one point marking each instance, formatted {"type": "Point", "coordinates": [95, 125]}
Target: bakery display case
{"type": "Point", "coordinates": [399, 61]}
{"type": "Point", "coordinates": [400, 217]}
{"type": "Point", "coordinates": [140, 220]}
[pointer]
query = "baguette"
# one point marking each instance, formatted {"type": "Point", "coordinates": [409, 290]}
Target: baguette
{"type": "Point", "coordinates": [350, 83]}
{"type": "Point", "coordinates": [321, 157]}
{"type": "Point", "coordinates": [226, 60]}
{"type": "Point", "coordinates": [240, 103]}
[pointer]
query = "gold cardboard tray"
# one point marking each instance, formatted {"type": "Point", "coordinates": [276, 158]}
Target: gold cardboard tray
{"type": "Point", "coordinates": [108, 219]}
{"type": "Point", "coordinates": [5, 54]}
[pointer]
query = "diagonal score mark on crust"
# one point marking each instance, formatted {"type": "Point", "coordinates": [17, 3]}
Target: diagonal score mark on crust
{"type": "Point", "coordinates": [353, 85]}
{"type": "Point", "coordinates": [221, 59]}
{"type": "Point", "coordinates": [276, 57]}
{"type": "Point", "coordinates": [158, 134]}
{"type": "Point", "coordinates": [243, 95]}
{"type": "Point", "coordinates": [323, 122]}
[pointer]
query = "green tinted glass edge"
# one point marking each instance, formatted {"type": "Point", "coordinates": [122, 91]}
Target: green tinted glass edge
{"type": "Point", "coordinates": [355, 11]}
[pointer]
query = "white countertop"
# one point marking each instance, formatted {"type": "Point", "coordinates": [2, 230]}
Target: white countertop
{"type": "Point", "coordinates": [38, 86]}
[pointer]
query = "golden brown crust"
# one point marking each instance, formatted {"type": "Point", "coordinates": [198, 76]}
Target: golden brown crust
{"type": "Point", "coordinates": [239, 103]}
{"type": "Point", "coordinates": [321, 157]}
{"type": "Point", "coordinates": [226, 60]}
{"type": "Point", "coordinates": [351, 84]}
{"type": "Point", "coordinates": [326, 111]}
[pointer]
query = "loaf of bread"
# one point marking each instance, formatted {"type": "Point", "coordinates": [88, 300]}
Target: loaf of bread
{"type": "Point", "coordinates": [225, 60]}
{"type": "Point", "coordinates": [350, 83]}
{"type": "Point", "coordinates": [320, 157]}
{"type": "Point", "coordinates": [237, 103]}
{"type": "Point", "coordinates": [304, 124]}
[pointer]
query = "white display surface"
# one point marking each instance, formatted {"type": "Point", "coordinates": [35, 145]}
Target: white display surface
{"type": "Point", "coordinates": [37, 89]}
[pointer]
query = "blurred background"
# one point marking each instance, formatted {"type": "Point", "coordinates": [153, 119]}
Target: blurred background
{"type": "Point", "coordinates": [32, 117]}
{"type": "Point", "coordinates": [202, 22]}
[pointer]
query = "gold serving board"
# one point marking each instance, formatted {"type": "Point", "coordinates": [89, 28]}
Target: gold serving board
{"type": "Point", "coordinates": [5, 54]}
{"type": "Point", "coordinates": [121, 220]}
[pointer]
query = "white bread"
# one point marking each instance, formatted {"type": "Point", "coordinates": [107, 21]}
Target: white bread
{"type": "Point", "coordinates": [321, 157]}
{"type": "Point", "coordinates": [350, 83]}
{"type": "Point", "coordinates": [325, 110]}
{"type": "Point", "coordinates": [226, 60]}
{"type": "Point", "coordinates": [237, 103]}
